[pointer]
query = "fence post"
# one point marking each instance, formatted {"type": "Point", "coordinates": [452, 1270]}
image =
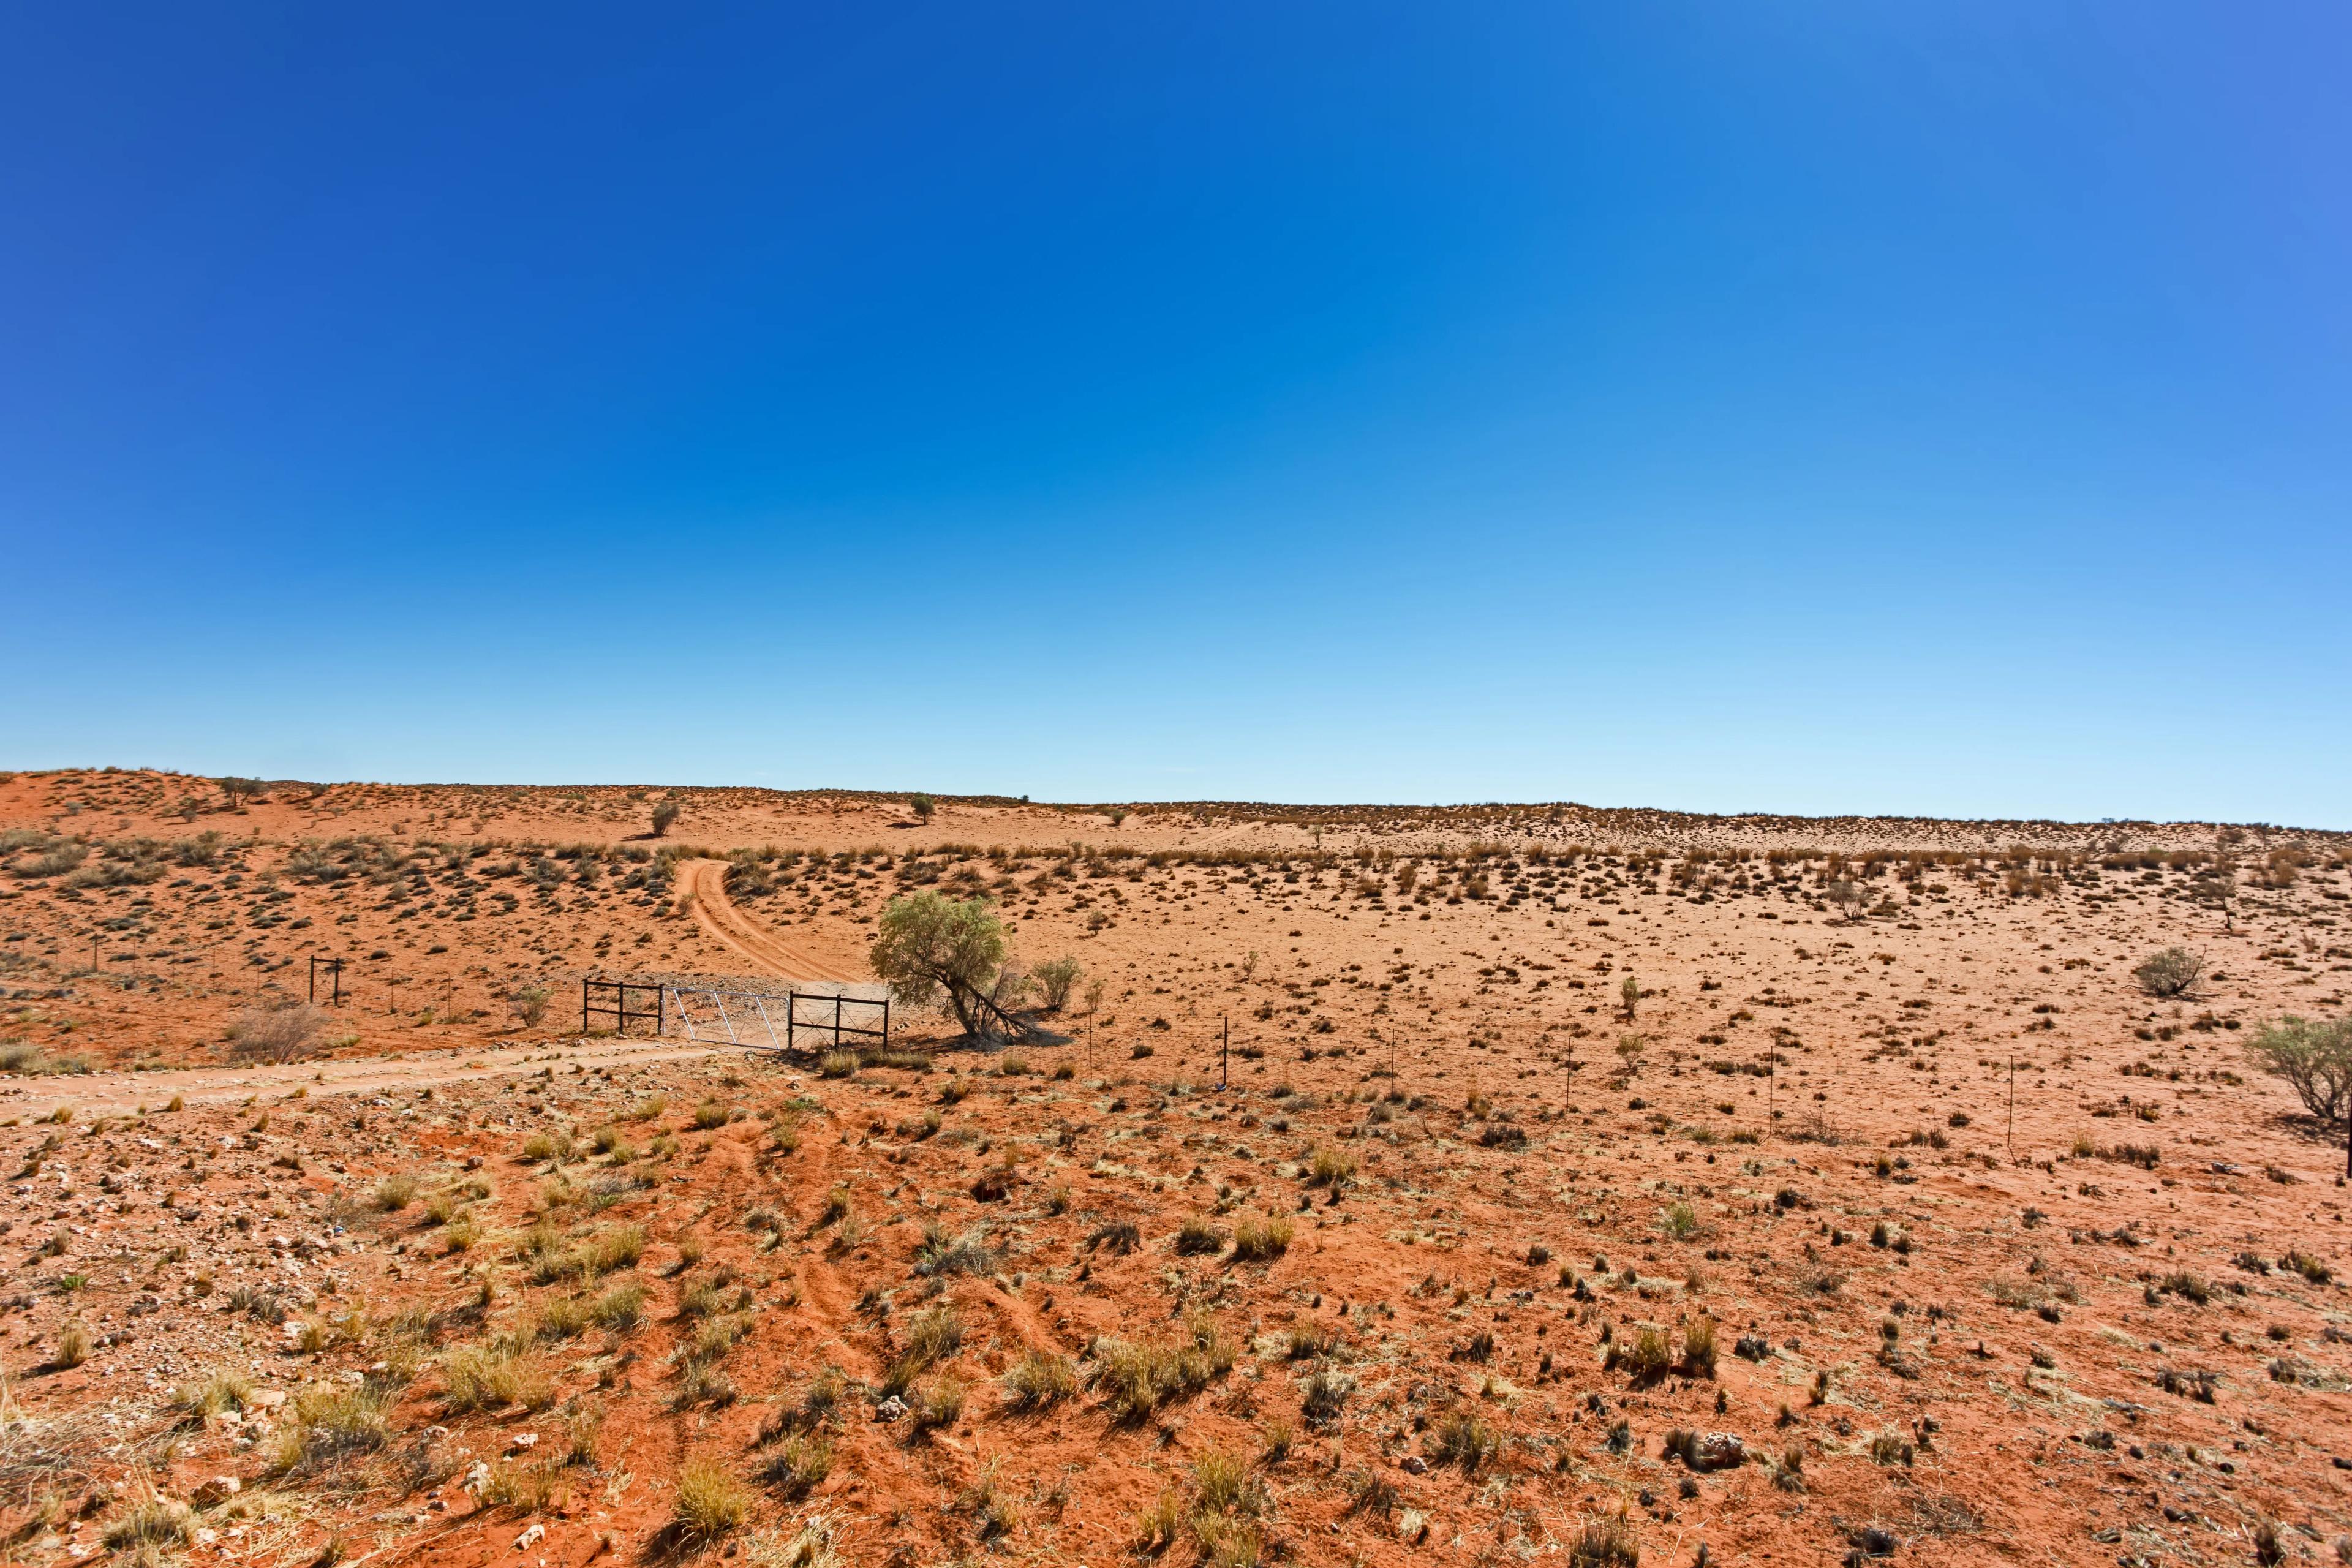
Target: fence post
{"type": "Point", "coordinates": [584, 1007]}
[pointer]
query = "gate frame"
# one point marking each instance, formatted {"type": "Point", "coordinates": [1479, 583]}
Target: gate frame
{"type": "Point", "coordinates": [675, 996]}
{"type": "Point", "coordinates": [619, 1010]}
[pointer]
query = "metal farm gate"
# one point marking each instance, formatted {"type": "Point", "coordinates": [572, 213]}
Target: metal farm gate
{"type": "Point", "coordinates": [736, 1015]}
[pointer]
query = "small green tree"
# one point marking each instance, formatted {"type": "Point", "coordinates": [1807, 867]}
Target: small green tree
{"type": "Point", "coordinates": [236, 789]}
{"type": "Point", "coordinates": [1630, 1049]}
{"type": "Point", "coordinates": [1055, 977]}
{"type": "Point", "coordinates": [931, 948]}
{"type": "Point", "coordinates": [528, 1003]}
{"type": "Point", "coordinates": [1849, 896]}
{"type": "Point", "coordinates": [2314, 1056]}
{"type": "Point", "coordinates": [2174, 972]}
{"type": "Point", "coordinates": [665, 811]}
{"type": "Point", "coordinates": [922, 805]}
{"type": "Point", "coordinates": [1630, 993]}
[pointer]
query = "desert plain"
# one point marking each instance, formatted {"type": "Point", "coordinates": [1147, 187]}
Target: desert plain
{"type": "Point", "coordinates": [1363, 1186]}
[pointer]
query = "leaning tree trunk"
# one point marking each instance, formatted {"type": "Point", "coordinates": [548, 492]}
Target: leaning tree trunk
{"type": "Point", "coordinates": [977, 1012]}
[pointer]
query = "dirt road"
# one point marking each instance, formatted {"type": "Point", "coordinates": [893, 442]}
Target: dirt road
{"type": "Point", "coordinates": [123, 1093]}
{"type": "Point", "coordinates": [705, 882]}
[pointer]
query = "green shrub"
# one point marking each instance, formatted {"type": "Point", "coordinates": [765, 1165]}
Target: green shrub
{"type": "Point", "coordinates": [1054, 978]}
{"type": "Point", "coordinates": [2173, 972]}
{"type": "Point", "coordinates": [2314, 1058]}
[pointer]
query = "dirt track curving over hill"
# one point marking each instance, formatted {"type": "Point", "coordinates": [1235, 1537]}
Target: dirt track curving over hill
{"type": "Point", "coordinates": [705, 883]}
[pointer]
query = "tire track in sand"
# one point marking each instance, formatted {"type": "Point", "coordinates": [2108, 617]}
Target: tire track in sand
{"type": "Point", "coordinates": [706, 882]}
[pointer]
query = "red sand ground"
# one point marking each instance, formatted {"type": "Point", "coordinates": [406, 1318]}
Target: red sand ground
{"type": "Point", "coordinates": [1962, 1336]}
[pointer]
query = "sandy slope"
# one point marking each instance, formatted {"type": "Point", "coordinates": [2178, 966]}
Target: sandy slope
{"type": "Point", "coordinates": [1986, 1346]}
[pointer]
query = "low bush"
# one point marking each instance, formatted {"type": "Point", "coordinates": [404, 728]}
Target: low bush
{"type": "Point", "coordinates": [1461, 1437]}
{"type": "Point", "coordinates": [1040, 1380]}
{"type": "Point", "coordinates": [940, 1254]}
{"type": "Point", "coordinates": [2313, 1058]}
{"type": "Point", "coordinates": [2173, 972]}
{"type": "Point", "coordinates": [1260, 1240]}
{"type": "Point", "coordinates": [328, 1425]}
{"type": "Point", "coordinates": [1329, 1166]}
{"type": "Point", "coordinates": [1645, 1360]}
{"type": "Point", "coordinates": [711, 1500]}
{"type": "Point", "coordinates": [1137, 1378]}
{"type": "Point", "coordinates": [798, 1466]}
{"type": "Point", "coordinates": [156, 1524]}
{"type": "Point", "coordinates": [1698, 1348]}
{"type": "Point", "coordinates": [1197, 1237]}
{"type": "Point", "coordinates": [1606, 1543]}
{"type": "Point", "coordinates": [222, 1391]}
{"type": "Point", "coordinates": [941, 1406]}
{"type": "Point", "coordinates": [488, 1377]}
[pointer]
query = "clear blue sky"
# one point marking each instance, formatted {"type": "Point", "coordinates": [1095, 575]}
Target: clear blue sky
{"type": "Point", "coordinates": [1810, 407]}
